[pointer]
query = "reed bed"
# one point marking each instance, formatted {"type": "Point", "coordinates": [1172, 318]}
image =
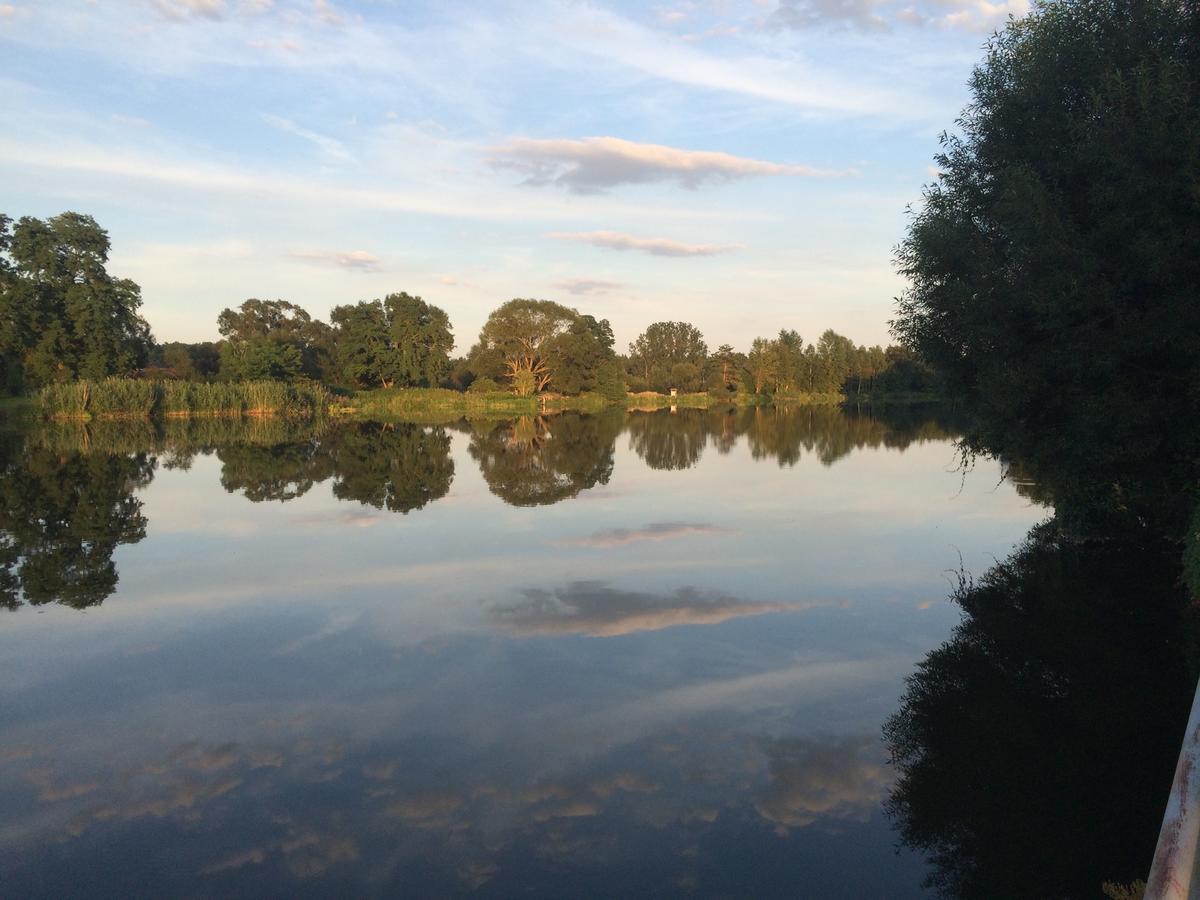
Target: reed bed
{"type": "Point", "coordinates": [133, 398]}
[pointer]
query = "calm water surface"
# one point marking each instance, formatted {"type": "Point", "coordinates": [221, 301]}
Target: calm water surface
{"type": "Point", "coordinates": [579, 655]}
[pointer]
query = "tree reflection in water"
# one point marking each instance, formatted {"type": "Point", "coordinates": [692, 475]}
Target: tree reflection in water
{"type": "Point", "coordinates": [68, 490]}
{"type": "Point", "coordinates": [62, 516]}
{"type": "Point", "coordinates": [539, 460]}
{"type": "Point", "coordinates": [668, 440]}
{"type": "Point", "coordinates": [1036, 748]}
{"type": "Point", "coordinates": [395, 466]}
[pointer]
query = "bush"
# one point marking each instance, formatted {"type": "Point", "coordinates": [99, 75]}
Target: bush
{"type": "Point", "coordinates": [484, 385]}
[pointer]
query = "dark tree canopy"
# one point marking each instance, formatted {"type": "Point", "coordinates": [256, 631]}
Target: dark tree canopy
{"type": "Point", "coordinates": [62, 316]}
{"type": "Point", "coordinates": [1054, 265]}
{"type": "Point", "coordinates": [398, 341]}
{"type": "Point", "coordinates": [272, 339]}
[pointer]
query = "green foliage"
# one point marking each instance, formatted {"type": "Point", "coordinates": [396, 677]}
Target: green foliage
{"type": "Point", "coordinates": [1054, 264]}
{"type": "Point", "coordinates": [400, 341]}
{"type": "Point", "coordinates": [272, 339]}
{"type": "Point", "coordinates": [138, 398]}
{"type": "Point", "coordinates": [484, 385]}
{"type": "Point", "coordinates": [421, 335]}
{"type": "Point", "coordinates": [663, 347]}
{"type": "Point", "coordinates": [400, 402]}
{"type": "Point", "coordinates": [524, 382]}
{"type": "Point", "coordinates": [610, 380]}
{"type": "Point", "coordinates": [539, 345]}
{"type": "Point", "coordinates": [62, 316]}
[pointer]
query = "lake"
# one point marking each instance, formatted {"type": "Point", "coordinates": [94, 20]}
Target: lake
{"type": "Point", "coordinates": [635, 653]}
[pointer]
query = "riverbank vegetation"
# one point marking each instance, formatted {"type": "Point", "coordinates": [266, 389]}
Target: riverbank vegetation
{"type": "Point", "coordinates": [74, 332]}
{"type": "Point", "coordinates": [144, 398]}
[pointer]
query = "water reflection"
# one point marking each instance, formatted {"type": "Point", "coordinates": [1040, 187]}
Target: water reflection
{"type": "Point", "coordinates": [62, 516]}
{"type": "Point", "coordinates": [668, 440]}
{"type": "Point", "coordinates": [1036, 748]}
{"type": "Point", "coordinates": [539, 460]}
{"type": "Point", "coordinates": [674, 686]}
{"type": "Point", "coordinates": [399, 467]}
{"type": "Point", "coordinates": [69, 489]}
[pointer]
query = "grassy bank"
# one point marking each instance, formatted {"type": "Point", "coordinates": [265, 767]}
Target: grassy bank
{"type": "Point", "coordinates": [132, 398]}
{"type": "Point", "coordinates": [129, 398]}
{"type": "Point", "coordinates": [424, 402]}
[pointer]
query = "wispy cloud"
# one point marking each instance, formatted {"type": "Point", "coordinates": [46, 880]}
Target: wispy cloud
{"type": "Point", "coordinates": [586, 286]}
{"type": "Point", "coordinates": [882, 15]}
{"type": "Point", "coordinates": [179, 10]}
{"type": "Point", "coordinates": [357, 260]}
{"type": "Point", "coordinates": [331, 147]}
{"type": "Point", "coordinates": [655, 246]}
{"type": "Point", "coordinates": [653, 533]}
{"type": "Point", "coordinates": [595, 164]}
{"type": "Point", "coordinates": [616, 240]}
{"type": "Point", "coordinates": [591, 608]}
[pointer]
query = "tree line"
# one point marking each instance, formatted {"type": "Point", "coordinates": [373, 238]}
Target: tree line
{"type": "Point", "coordinates": [63, 318]}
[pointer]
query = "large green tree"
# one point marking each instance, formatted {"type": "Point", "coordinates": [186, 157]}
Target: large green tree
{"type": "Point", "coordinates": [399, 340]}
{"type": "Point", "coordinates": [1054, 265]}
{"type": "Point", "coordinates": [421, 334]}
{"type": "Point", "coordinates": [540, 344]}
{"type": "Point", "coordinates": [669, 355]}
{"type": "Point", "coordinates": [62, 316]}
{"type": "Point", "coordinates": [272, 339]}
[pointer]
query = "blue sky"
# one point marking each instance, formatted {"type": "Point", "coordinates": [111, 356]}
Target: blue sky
{"type": "Point", "coordinates": [741, 164]}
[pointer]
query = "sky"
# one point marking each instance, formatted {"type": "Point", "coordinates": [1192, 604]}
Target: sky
{"type": "Point", "coordinates": [745, 165]}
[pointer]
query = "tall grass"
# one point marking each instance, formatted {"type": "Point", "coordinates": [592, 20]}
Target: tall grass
{"type": "Point", "coordinates": [407, 401]}
{"type": "Point", "coordinates": [128, 398]}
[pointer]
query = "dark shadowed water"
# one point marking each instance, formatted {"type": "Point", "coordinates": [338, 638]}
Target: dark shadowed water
{"type": "Point", "coordinates": [607, 655]}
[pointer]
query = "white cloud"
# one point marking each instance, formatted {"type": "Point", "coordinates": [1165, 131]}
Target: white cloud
{"type": "Point", "coordinates": [593, 609]}
{"type": "Point", "coordinates": [615, 240]}
{"type": "Point", "coordinates": [593, 164]}
{"type": "Point", "coordinates": [183, 9]}
{"type": "Point", "coordinates": [863, 14]}
{"type": "Point", "coordinates": [358, 260]}
{"type": "Point", "coordinates": [586, 286]}
{"type": "Point", "coordinates": [653, 533]}
{"type": "Point", "coordinates": [842, 779]}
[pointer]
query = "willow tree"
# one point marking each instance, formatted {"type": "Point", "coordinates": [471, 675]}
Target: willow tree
{"type": "Point", "coordinates": [518, 338]}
